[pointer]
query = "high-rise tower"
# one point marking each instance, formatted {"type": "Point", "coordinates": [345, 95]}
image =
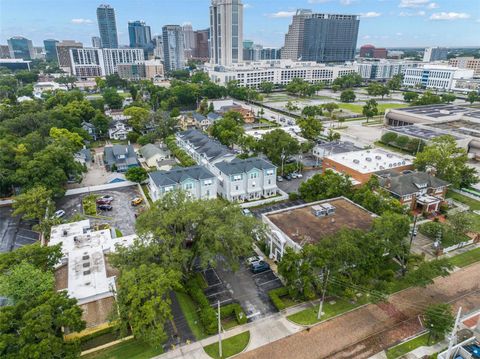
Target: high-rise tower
{"type": "Point", "coordinates": [107, 26]}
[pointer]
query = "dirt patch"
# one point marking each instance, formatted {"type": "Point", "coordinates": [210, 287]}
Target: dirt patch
{"type": "Point", "coordinates": [97, 312]}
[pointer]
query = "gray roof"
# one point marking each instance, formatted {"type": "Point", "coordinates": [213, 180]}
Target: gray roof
{"type": "Point", "coordinates": [212, 116]}
{"type": "Point", "coordinates": [198, 116]}
{"type": "Point", "coordinates": [111, 154]}
{"type": "Point", "coordinates": [85, 154]}
{"type": "Point", "coordinates": [338, 147]}
{"type": "Point", "coordinates": [243, 166]}
{"type": "Point", "coordinates": [180, 174]}
{"type": "Point", "coordinates": [405, 184]}
{"type": "Point", "coordinates": [150, 150]}
{"type": "Point", "coordinates": [205, 145]}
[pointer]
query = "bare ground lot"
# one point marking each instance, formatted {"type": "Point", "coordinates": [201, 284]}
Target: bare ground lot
{"type": "Point", "coordinates": [122, 216]}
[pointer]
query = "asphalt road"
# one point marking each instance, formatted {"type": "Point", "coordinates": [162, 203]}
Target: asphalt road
{"type": "Point", "coordinates": [366, 331]}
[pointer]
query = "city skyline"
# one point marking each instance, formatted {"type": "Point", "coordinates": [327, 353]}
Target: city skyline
{"type": "Point", "coordinates": [416, 23]}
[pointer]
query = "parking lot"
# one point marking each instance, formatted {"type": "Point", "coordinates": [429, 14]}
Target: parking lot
{"type": "Point", "coordinates": [294, 184]}
{"type": "Point", "coordinates": [275, 207]}
{"type": "Point", "coordinates": [15, 233]}
{"type": "Point", "coordinates": [248, 289]}
{"type": "Point", "coordinates": [122, 215]}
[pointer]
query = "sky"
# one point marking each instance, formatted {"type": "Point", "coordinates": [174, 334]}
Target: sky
{"type": "Point", "coordinates": [383, 23]}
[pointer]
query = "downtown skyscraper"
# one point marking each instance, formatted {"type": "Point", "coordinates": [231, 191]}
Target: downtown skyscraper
{"type": "Point", "coordinates": [140, 36]}
{"type": "Point", "coordinates": [107, 26]}
{"type": "Point", "coordinates": [173, 48]}
{"type": "Point", "coordinates": [226, 32]}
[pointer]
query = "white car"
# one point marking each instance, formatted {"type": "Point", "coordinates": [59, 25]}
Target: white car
{"type": "Point", "coordinates": [279, 179]}
{"type": "Point", "coordinates": [294, 175]}
{"type": "Point", "coordinates": [247, 212]}
{"type": "Point", "coordinates": [254, 259]}
{"type": "Point", "coordinates": [299, 175]}
{"type": "Point", "coordinates": [59, 214]}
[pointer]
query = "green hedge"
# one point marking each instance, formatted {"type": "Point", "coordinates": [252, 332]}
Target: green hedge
{"type": "Point", "coordinates": [275, 296]}
{"type": "Point", "coordinates": [90, 205]}
{"type": "Point", "coordinates": [181, 155]}
{"type": "Point", "coordinates": [236, 309]}
{"type": "Point", "coordinates": [207, 314]}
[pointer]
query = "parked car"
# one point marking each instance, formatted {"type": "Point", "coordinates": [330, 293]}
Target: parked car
{"type": "Point", "coordinates": [103, 201]}
{"type": "Point", "coordinates": [59, 214]}
{"type": "Point", "coordinates": [247, 212]}
{"type": "Point", "coordinates": [299, 175]}
{"type": "Point", "coordinates": [254, 260]}
{"type": "Point", "coordinates": [107, 198]}
{"type": "Point", "coordinates": [294, 175]}
{"type": "Point", "coordinates": [136, 201]}
{"type": "Point", "coordinates": [414, 231]}
{"type": "Point", "coordinates": [259, 267]}
{"type": "Point", "coordinates": [104, 207]}
{"type": "Point", "coordinates": [288, 177]}
{"type": "Point", "coordinates": [279, 179]}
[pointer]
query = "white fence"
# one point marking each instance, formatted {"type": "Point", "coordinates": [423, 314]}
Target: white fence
{"type": "Point", "coordinates": [457, 246]}
{"type": "Point", "coordinates": [283, 196]}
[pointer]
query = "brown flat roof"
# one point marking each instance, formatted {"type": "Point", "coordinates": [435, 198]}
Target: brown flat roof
{"type": "Point", "coordinates": [303, 227]}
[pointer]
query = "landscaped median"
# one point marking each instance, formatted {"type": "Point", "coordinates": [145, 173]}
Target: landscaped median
{"type": "Point", "coordinates": [128, 349]}
{"type": "Point", "coordinates": [230, 346]}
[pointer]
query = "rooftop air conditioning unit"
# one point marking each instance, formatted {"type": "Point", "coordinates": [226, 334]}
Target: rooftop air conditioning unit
{"type": "Point", "coordinates": [389, 155]}
{"type": "Point", "coordinates": [369, 159]}
{"type": "Point", "coordinates": [319, 211]}
{"type": "Point", "coordinates": [65, 232]}
{"type": "Point", "coordinates": [356, 161]}
{"type": "Point", "coordinates": [378, 157]}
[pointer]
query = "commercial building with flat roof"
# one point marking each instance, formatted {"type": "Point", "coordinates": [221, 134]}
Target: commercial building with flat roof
{"type": "Point", "coordinates": [280, 72]}
{"type": "Point", "coordinates": [15, 64]}
{"type": "Point", "coordinates": [382, 69]}
{"type": "Point", "coordinates": [297, 226]}
{"type": "Point", "coordinates": [439, 77]}
{"type": "Point", "coordinates": [466, 63]}
{"type": "Point", "coordinates": [361, 165]}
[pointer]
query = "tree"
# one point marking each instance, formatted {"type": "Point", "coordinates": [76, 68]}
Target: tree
{"type": "Point", "coordinates": [291, 106]}
{"type": "Point", "coordinates": [329, 184]}
{"type": "Point", "coordinates": [300, 87]}
{"type": "Point", "coordinates": [266, 87]}
{"type": "Point", "coordinates": [461, 222]}
{"type": "Point", "coordinates": [370, 109]}
{"type": "Point", "coordinates": [139, 117]}
{"type": "Point", "coordinates": [448, 97]}
{"type": "Point", "coordinates": [112, 98]}
{"type": "Point", "coordinates": [25, 282]}
{"type": "Point", "coordinates": [312, 111]}
{"type": "Point", "coordinates": [310, 128]}
{"type": "Point", "coordinates": [438, 320]}
{"type": "Point", "coordinates": [427, 271]}
{"type": "Point", "coordinates": [428, 98]}
{"type": "Point", "coordinates": [332, 135]}
{"type": "Point", "coordinates": [330, 107]}
{"type": "Point", "coordinates": [276, 143]}
{"type": "Point", "coordinates": [449, 161]}
{"type": "Point", "coordinates": [42, 257]}
{"type": "Point", "coordinates": [395, 83]}
{"type": "Point", "coordinates": [115, 81]}
{"type": "Point", "coordinates": [229, 129]}
{"type": "Point", "coordinates": [347, 81]}
{"type": "Point", "coordinates": [472, 97]}
{"type": "Point", "coordinates": [36, 203]}
{"type": "Point", "coordinates": [136, 174]}
{"type": "Point", "coordinates": [410, 96]}
{"type": "Point", "coordinates": [64, 138]}
{"type": "Point", "coordinates": [388, 137]}
{"type": "Point", "coordinates": [347, 96]}
{"type": "Point", "coordinates": [144, 301]}
{"type": "Point", "coordinates": [133, 136]}
{"type": "Point", "coordinates": [402, 141]}
{"type": "Point", "coordinates": [26, 77]}
{"type": "Point", "coordinates": [35, 328]}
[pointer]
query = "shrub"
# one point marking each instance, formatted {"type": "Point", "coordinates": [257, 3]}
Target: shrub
{"type": "Point", "coordinates": [96, 334]}
{"type": "Point", "coordinates": [206, 313]}
{"type": "Point", "coordinates": [181, 155]}
{"type": "Point", "coordinates": [235, 309]}
{"type": "Point", "coordinates": [293, 196]}
{"type": "Point", "coordinates": [388, 137]}
{"type": "Point", "coordinates": [89, 205]}
{"type": "Point", "coordinates": [275, 296]}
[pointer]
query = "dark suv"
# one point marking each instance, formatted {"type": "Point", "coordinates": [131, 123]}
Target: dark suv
{"type": "Point", "coordinates": [259, 267]}
{"type": "Point", "coordinates": [104, 207]}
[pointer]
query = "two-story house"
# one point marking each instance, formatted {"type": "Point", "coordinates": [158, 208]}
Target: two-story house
{"type": "Point", "coordinates": [196, 120]}
{"type": "Point", "coordinates": [247, 179]}
{"type": "Point", "coordinates": [247, 115]}
{"type": "Point", "coordinates": [204, 150]}
{"type": "Point", "coordinates": [119, 158]}
{"type": "Point", "coordinates": [196, 180]}
{"type": "Point", "coordinates": [90, 129]}
{"type": "Point", "coordinates": [415, 190]}
{"type": "Point", "coordinates": [119, 130]}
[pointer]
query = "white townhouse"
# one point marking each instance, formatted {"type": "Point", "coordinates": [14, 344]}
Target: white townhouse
{"type": "Point", "coordinates": [247, 179]}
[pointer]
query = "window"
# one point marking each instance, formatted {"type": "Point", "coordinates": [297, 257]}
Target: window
{"type": "Point", "coordinates": [237, 177]}
{"type": "Point", "coordinates": [236, 188]}
{"type": "Point", "coordinates": [270, 172]}
{"type": "Point", "coordinates": [269, 181]}
{"type": "Point", "coordinates": [188, 185]}
{"type": "Point", "coordinates": [168, 189]}
{"type": "Point", "coordinates": [253, 175]}
{"type": "Point", "coordinates": [207, 182]}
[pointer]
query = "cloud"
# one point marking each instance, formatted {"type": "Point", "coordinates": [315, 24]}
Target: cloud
{"type": "Point", "coordinates": [370, 14]}
{"type": "Point", "coordinates": [399, 34]}
{"type": "Point", "coordinates": [247, 6]}
{"type": "Point", "coordinates": [366, 37]}
{"type": "Point", "coordinates": [418, 13]}
{"type": "Point", "coordinates": [346, 2]}
{"type": "Point", "coordinates": [81, 21]}
{"type": "Point", "coordinates": [413, 3]}
{"type": "Point", "coordinates": [282, 14]}
{"type": "Point", "coordinates": [449, 16]}
{"type": "Point", "coordinates": [318, 1]}
{"type": "Point", "coordinates": [432, 5]}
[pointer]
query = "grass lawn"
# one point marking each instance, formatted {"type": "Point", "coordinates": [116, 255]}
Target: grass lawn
{"type": "Point", "coordinates": [309, 316]}
{"type": "Point", "coordinates": [130, 349]}
{"type": "Point", "coordinates": [408, 346]}
{"type": "Point", "coordinates": [475, 222]}
{"type": "Point", "coordinates": [382, 107]}
{"type": "Point", "coordinates": [464, 259]}
{"type": "Point", "coordinates": [118, 232]}
{"type": "Point", "coordinates": [230, 346]}
{"type": "Point", "coordinates": [189, 310]}
{"type": "Point", "coordinates": [147, 193]}
{"type": "Point", "coordinates": [391, 148]}
{"type": "Point", "coordinates": [473, 203]}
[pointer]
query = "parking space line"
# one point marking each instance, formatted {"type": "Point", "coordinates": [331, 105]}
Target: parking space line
{"type": "Point", "coordinates": [272, 280]}
{"type": "Point", "coordinates": [217, 293]}
{"type": "Point", "coordinates": [256, 275]}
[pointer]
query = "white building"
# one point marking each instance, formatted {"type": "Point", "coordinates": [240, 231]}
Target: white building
{"type": "Point", "coordinates": [197, 181]}
{"type": "Point", "coordinates": [435, 54]}
{"type": "Point", "coordinates": [440, 77]}
{"type": "Point", "coordinates": [226, 32]}
{"type": "Point", "coordinates": [93, 62]}
{"type": "Point", "coordinates": [119, 130]}
{"type": "Point", "coordinates": [84, 252]}
{"type": "Point", "coordinates": [281, 72]}
{"type": "Point", "coordinates": [247, 180]}
{"type": "Point", "coordinates": [384, 69]}
{"type": "Point", "coordinates": [40, 87]}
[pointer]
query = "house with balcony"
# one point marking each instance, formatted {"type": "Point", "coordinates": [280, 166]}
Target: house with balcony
{"type": "Point", "coordinates": [246, 179]}
{"type": "Point", "coordinates": [418, 191]}
{"type": "Point", "coordinates": [119, 158]}
{"type": "Point", "coordinates": [199, 182]}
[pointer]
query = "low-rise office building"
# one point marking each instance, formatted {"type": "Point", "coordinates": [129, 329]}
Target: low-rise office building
{"type": "Point", "coordinates": [321, 150]}
{"type": "Point", "coordinates": [415, 190]}
{"type": "Point", "coordinates": [297, 226]}
{"type": "Point", "coordinates": [466, 63]}
{"type": "Point", "coordinates": [247, 179]}
{"type": "Point", "coordinates": [15, 64]}
{"type": "Point", "coordinates": [361, 165]}
{"type": "Point", "coordinates": [40, 87]}
{"type": "Point", "coordinates": [280, 72]}
{"type": "Point", "coordinates": [199, 182]}
{"type": "Point", "coordinates": [383, 69]}
{"type": "Point", "coordinates": [439, 77]}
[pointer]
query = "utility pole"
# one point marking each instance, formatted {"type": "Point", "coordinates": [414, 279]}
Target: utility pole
{"type": "Point", "coordinates": [283, 158]}
{"type": "Point", "coordinates": [320, 307]}
{"type": "Point", "coordinates": [453, 335]}
{"type": "Point", "coordinates": [219, 331]}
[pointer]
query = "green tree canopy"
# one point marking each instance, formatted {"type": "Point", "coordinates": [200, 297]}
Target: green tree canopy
{"type": "Point", "coordinates": [370, 109]}
{"type": "Point", "coordinates": [438, 320]}
{"type": "Point", "coordinates": [277, 142]}
{"type": "Point", "coordinates": [139, 117]}
{"type": "Point", "coordinates": [310, 128]}
{"type": "Point", "coordinates": [112, 98]}
{"type": "Point", "coordinates": [228, 130]}
{"type": "Point", "coordinates": [136, 174]}
{"type": "Point", "coordinates": [329, 184]}
{"type": "Point", "coordinates": [36, 203]}
{"type": "Point", "coordinates": [347, 96]}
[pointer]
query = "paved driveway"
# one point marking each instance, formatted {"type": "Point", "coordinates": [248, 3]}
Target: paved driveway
{"type": "Point", "coordinates": [122, 216]}
{"type": "Point", "coordinates": [294, 184]}
{"type": "Point", "coordinates": [13, 232]}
